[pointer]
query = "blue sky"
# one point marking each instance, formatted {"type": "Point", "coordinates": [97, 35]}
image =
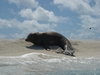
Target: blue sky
{"type": "Point", "coordinates": [72, 18]}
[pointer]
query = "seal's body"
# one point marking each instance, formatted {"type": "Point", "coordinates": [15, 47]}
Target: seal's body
{"type": "Point", "coordinates": [46, 39]}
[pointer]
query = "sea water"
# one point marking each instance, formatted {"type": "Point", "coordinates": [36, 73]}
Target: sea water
{"type": "Point", "coordinates": [43, 64]}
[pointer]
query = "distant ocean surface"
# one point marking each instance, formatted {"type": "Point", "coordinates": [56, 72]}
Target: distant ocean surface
{"type": "Point", "coordinates": [42, 64]}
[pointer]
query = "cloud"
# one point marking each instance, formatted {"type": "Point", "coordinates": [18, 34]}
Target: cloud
{"type": "Point", "coordinates": [96, 7]}
{"type": "Point", "coordinates": [86, 33]}
{"type": "Point", "coordinates": [8, 23]}
{"type": "Point", "coordinates": [83, 35]}
{"type": "Point", "coordinates": [89, 12]}
{"type": "Point", "coordinates": [45, 15]}
{"type": "Point", "coordinates": [25, 3]}
{"type": "Point", "coordinates": [83, 7]}
{"type": "Point", "coordinates": [88, 21]}
{"type": "Point", "coordinates": [80, 6]}
{"type": "Point", "coordinates": [25, 27]}
{"type": "Point", "coordinates": [2, 36]}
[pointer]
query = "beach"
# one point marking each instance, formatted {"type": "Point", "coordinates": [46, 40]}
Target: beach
{"type": "Point", "coordinates": [18, 47]}
{"type": "Point", "coordinates": [18, 57]}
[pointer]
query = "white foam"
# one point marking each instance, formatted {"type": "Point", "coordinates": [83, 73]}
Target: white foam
{"type": "Point", "coordinates": [41, 57]}
{"type": "Point", "coordinates": [33, 61]}
{"type": "Point", "coordinates": [39, 62]}
{"type": "Point", "coordinates": [28, 58]}
{"type": "Point", "coordinates": [27, 55]}
{"type": "Point", "coordinates": [35, 54]}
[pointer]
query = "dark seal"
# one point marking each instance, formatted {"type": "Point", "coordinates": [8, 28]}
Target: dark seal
{"type": "Point", "coordinates": [47, 39]}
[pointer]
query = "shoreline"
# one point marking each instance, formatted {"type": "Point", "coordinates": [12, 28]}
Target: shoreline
{"type": "Point", "coordinates": [19, 47]}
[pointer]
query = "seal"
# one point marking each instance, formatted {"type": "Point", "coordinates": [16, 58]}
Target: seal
{"type": "Point", "coordinates": [47, 39]}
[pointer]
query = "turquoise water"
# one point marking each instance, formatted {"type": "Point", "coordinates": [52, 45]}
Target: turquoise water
{"type": "Point", "coordinates": [42, 64]}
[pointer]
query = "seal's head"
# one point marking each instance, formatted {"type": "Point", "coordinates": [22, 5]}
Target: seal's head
{"type": "Point", "coordinates": [31, 37]}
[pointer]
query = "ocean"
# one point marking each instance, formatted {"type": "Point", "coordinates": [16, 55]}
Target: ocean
{"type": "Point", "coordinates": [43, 64]}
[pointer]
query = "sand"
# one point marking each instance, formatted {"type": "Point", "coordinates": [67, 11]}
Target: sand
{"type": "Point", "coordinates": [83, 48]}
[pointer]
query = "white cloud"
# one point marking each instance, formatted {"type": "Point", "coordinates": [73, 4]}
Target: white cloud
{"type": "Point", "coordinates": [8, 23]}
{"type": "Point", "coordinates": [2, 36]}
{"type": "Point", "coordinates": [89, 11]}
{"type": "Point", "coordinates": [40, 14]}
{"type": "Point", "coordinates": [25, 27]}
{"type": "Point", "coordinates": [96, 7]}
{"type": "Point", "coordinates": [86, 33]}
{"type": "Point", "coordinates": [80, 6]}
{"type": "Point", "coordinates": [84, 7]}
{"type": "Point", "coordinates": [83, 35]}
{"type": "Point", "coordinates": [26, 13]}
{"type": "Point", "coordinates": [88, 21]}
{"type": "Point", "coordinates": [33, 25]}
{"type": "Point", "coordinates": [25, 3]}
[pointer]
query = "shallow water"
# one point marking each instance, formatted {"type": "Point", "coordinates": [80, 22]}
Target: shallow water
{"type": "Point", "coordinates": [42, 64]}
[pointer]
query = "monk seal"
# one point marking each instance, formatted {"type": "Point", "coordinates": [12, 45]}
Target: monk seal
{"type": "Point", "coordinates": [47, 39]}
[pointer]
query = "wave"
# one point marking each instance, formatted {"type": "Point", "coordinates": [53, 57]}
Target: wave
{"type": "Point", "coordinates": [41, 57]}
{"type": "Point", "coordinates": [47, 58]}
{"type": "Point", "coordinates": [34, 63]}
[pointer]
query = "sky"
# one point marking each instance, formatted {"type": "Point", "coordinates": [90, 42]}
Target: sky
{"type": "Point", "coordinates": [75, 19]}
